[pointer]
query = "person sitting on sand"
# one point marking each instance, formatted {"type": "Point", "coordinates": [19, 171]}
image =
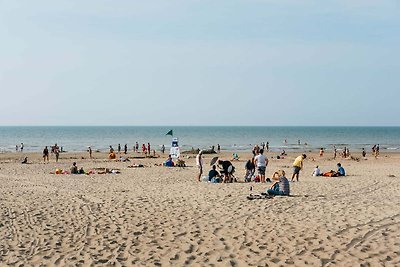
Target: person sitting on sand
{"type": "Point", "coordinates": [213, 175]}
{"type": "Point", "coordinates": [235, 156]}
{"type": "Point", "coordinates": [74, 168]}
{"type": "Point", "coordinates": [340, 171]}
{"type": "Point", "coordinates": [25, 161]}
{"type": "Point", "coordinates": [317, 171]}
{"type": "Point", "coordinates": [169, 162]}
{"type": "Point", "coordinates": [281, 186]}
{"type": "Point", "coordinates": [227, 169]}
{"type": "Point", "coordinates": [112, 155]}
{"type": "Point", "coordinates": [250, 170]}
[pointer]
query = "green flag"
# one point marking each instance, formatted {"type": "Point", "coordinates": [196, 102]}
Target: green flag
{"type": "Point", "coordinates": [170, 133]}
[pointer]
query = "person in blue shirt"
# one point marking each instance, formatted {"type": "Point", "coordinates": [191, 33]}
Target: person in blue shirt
{"type": "Point", "coordinates": [340, 171]}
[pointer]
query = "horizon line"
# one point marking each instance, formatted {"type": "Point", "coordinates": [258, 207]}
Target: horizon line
{"type": "Point", "coordinates": [171, 126]}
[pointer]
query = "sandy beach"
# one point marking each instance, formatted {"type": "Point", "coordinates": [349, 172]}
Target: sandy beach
{"type": "Point", "coordinates": [158, 216]}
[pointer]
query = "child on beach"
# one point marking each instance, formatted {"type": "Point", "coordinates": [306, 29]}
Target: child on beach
{"type": "Point", "coordinates": [317, 171]}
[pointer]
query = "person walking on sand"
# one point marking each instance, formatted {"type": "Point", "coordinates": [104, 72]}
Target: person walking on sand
{"type": "Point", "coordinates": [126, 149]}
{"type": "Point", "coordinates": [56, 152]}
{"type": "Point", "coordinates": [218, 148]}
{"type": "Point", "coordinates": [334, 152]}
{"type": "Point", "coordinates": [46, 154]}
{"type": "Point", "coordinates": [297, 166]}
{"type": "Point", "coordinates": [119, 148]}
{"type": "Point", "coordinates": [261, 163]}
{"type": "Point", "coordinates": [199, 164]}
{"type": "Point", "coordinates": [90, 151]}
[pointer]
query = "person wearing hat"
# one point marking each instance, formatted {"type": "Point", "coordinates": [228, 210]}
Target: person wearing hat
{"type": "Point", "coordinates": [297, 166]}
{"type": "Point", "coordinates": [199, 164]}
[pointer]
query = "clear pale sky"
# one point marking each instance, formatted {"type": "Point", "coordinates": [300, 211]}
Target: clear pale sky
{"type": "Point", "coordinates": [236, 62]}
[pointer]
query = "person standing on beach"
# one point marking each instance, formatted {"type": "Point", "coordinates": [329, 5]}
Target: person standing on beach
{"type": "Point", "coordinates": [119, 148]}
{"type": "Point", "coordinates": [261, 163]}
{"type": "Point", "coordinates": [334, 152]}
{"type": "Point", "coordinates": [137, 147]}
{"type": "Point", "coordinates": [56, 152]}
{"type": "Point", "coordinates": [90, 151]}
{"type": "Point", "coordinates": [199, 164]}
{"type": "Point", "coordinates": [267, 146]}
{"type": "Point", "coordinates": [22, 147]}
{"type": "Point", "coordinates": [297, 166]}
{"type": "Point", "coordinates": [163, 149]}
{"type": "Point", "coordinates": [126, 149]}
{"type": "Point", "coordinates": [364, 153]}
{"type": "Point", "coordinates": [321, 152]}
{"type": "Point", "coordinates": [377, 151]}
{"type": "Point", "coordinates": [46, 154]}
{"type": "Point", "coordinates": [218, 148]}
{"type": "Point", "coordinates": [148, 148]}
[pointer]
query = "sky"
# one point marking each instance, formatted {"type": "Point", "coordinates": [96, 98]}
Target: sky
{"type": "Point", "coordinates": [200, 62]}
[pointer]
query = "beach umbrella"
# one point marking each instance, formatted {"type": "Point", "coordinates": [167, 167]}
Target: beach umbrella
{"type": "Point", "coordinates": [212, 162]}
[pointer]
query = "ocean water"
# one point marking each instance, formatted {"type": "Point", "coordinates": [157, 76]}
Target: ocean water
{"type": "Point", "coordinates": [235, 138]}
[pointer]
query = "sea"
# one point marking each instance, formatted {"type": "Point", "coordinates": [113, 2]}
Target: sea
{"type": "Point", "coordinates": [230, 138]}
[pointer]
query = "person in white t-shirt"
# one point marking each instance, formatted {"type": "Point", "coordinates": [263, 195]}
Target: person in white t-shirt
{"type": "Point", "coordinates": [261, 163]}
{"type": "Point", "coordinates": [316, 172]}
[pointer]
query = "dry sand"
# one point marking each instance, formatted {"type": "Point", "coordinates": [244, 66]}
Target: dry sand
{"type": "Point", "coordinates": [157, 216]}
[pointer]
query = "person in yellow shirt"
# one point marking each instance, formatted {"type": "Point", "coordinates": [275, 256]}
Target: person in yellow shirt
{"type": "Point", "coordinates": [297, 166]}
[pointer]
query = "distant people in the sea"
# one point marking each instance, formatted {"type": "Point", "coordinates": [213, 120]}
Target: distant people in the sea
{"type": "Point", "coordinates": [45, 154]}
{"type": "Point", "coordinates": [281, 185]}
{"type": "Point", "coordinates": [298, 166]}
{"type": "Point", "coordinates": [16, 148]}
{"type": "Point", "coordinates": [199, 164]}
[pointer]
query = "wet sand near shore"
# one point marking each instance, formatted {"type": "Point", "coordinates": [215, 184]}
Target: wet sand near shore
{"type": "Point", "coordinates": [159, 216]}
